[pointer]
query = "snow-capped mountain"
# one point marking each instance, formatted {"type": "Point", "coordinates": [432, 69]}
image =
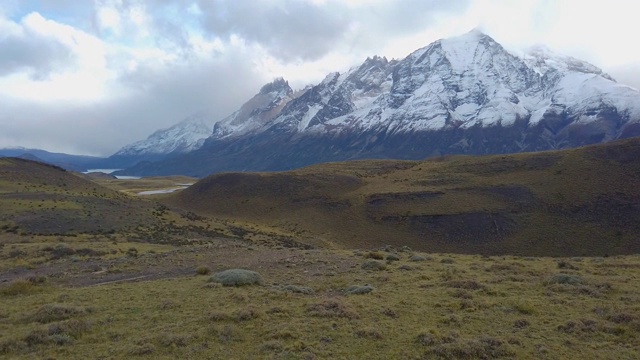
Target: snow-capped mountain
{"type": "Point", "coordinates": [257, 112]}
{"type": "Point", "coordinates": [185, 136]}
{"type": "Point", "coordinates": [465, 94]}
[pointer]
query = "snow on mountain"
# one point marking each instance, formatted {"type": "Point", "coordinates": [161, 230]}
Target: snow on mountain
{"type": "Point", "coordinates": [257, 112]}
{"type": "Point", "coordinates": [465, 94]}
{"type": "Point", "coordinates": [183, 137]}
{"type": "Point", "coordinates": [461, 82]}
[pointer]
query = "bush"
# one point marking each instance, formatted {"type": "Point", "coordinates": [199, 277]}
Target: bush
{"type": "Point", "coordinates": [203, 270]}
{"type": "Point", "coordinates": [237, 277]}
{"type": "Point", "coordinates": [392, 257]}
{"type": "Point", "coordinates": [60, 251]}
{"type": "Point", "coordinates": [73, 328]}
{"type": "Point", "coordinates": [359, 290]}
{"type": "Point", "coordinates": [565, 279]}
{"type": "Point", "coordinates": [54, 312]}
{"type": "Point", "coordinates": [298, 289]}
{"type": "Point", "coordinates": [417, 258]}
{"type": "Point", "coordinates": [18, 287]}
{"type": "Point", "coordinates": [373, 265]}
{"type": "Point", "coordinates": [16, 253]}
{"type": "Point", "coordinates": [170, 340]}
{"type": "Point", "coordinates": [521, 323]}
{"type": "Point", "coordinates": [331, 308]}
{"type": "Point", "coordinates": [482, 348]}
{"type": "Point", "coordinates": [369, 332]}
{"type": "Point", "coordinates": [143, 349]}
{"type": "Point", "coordinates": [432, 337]}
{"type": "Point", "coordinates": [465, 284]}
{"type": "Point", "coordinates": [248, 313]}
{"type": "Point", "coordinates": [566, 265]}
{"type": "Point", "coordinates": [374, 255]}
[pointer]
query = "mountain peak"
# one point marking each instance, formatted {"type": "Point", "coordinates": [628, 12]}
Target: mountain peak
{"type": "Point", "coordinates": [185, 136]}
{"type": "Point", "coordinates": [276, 85]}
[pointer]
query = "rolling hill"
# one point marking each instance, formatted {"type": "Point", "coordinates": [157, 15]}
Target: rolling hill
{"type": "Point", "coordinates": [582, 201]}
{"type": "Point", "coordinates": [36, 198]}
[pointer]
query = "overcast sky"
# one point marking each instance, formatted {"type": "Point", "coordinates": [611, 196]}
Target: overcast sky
{"type": "Point", "coordinates": [89, 76]}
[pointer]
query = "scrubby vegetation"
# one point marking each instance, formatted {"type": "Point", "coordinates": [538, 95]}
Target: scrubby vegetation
{"type": "Point", "coordinates": [237, 277]}
{"type": "Point", "coordinates": [314, 304]}
{"type": "Point", "coordinates": [163, 281]}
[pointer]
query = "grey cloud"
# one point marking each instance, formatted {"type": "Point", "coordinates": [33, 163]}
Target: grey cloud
{"type": "Point", "coordinates": [31, 52]}
{"type": "Point", "coordinates": [288, 29]}
{"type": "Point", "coordinates": [292, 30]}
{"type": "Point", "coordinates": [161, 98]}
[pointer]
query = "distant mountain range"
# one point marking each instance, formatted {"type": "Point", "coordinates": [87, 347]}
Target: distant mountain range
{"type": "Point", "coordinates": [69, 162]}
{"type": "Point", "coordinates": [462, 95]}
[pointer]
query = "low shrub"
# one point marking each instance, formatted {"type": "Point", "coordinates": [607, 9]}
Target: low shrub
{"type": "Point", "coordinates": [565, 279]}
{"type": "Point", "coordinates": [392, 257]}
{"type": "Point", "coordinates": [432, 338]}
{"type": "Point", "coordinates": [73, 328]}
{"type": "Point", "coordinates": [417, 258]}
{"type": "Point", "coordinates": [563, 264]}
{"type": "Point", "coordinates": [373, 265]}
{"type": "Point", "coordinates": [248, 313]}
{"type": "Point", "coordinates": [359, 290]}
{"type": "Point", "coordinates": [621, 318]}
{"type": "Point", "coordinates": [170, 340]}
{"type": "Point", "coordinates": [60, 251]}
{"type": "Point", "coordinates": [368, 332]}
{"type": "Point", "coordinates": [272, 346]}
{"type": "Point", "coordinates": [298, 289]}
{"type": "Point", "coordinates": [578, 326]}
{"type": "Point", "coordinates": [90, 252]}
{"type": "Point", "coordinates": [55, 312]}
{"type": "Point", "coordinates": [203, 270]}
{"type": "Point", "coordinates": [331, 308]}
{"type": "Point", "coordinates": [465, 284]}
{"type": "Point", "coordinates": [143, 349]}
{"type": "Point", "coordinates": [521, 323]}
{"type": "Point", "coordinates": [16, 253]}
{"type": "Point", "coordinates": [237, 277]}
{"type": "Point", "coordinates": [374, 255]}
{"type": "Point", "coordinates": [18, 287]}
{"type": "Point", "coordinates": [482, 348]}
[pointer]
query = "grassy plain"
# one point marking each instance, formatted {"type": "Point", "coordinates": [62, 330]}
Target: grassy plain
{"type": "Point", "coordinates": [452, 258]}
{"type": "Point", "coordinates": [439, 306]}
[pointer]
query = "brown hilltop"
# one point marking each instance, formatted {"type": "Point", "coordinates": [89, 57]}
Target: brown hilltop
{"type": "Point", "coordinates": [583, 201]}
{"type": "Point", "coordinates": [37, 198]}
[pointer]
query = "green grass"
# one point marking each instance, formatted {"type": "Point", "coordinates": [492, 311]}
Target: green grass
{"type": "Point", "coordinates": [513, 312]}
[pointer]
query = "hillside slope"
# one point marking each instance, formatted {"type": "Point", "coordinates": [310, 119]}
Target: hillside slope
{"type": "Point", "coordinates": [37, 198]}
{"type": "Point", "coordinates": [583, 201]}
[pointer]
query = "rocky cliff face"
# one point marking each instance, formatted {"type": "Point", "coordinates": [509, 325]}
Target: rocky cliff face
{"type": "Point", "coordinates": [460, 95]}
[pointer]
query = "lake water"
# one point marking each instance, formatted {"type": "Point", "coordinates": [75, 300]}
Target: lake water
{"type": "Point", "coordinates": [109, 171]}
{"type": "Point", "coordinates": [164, 191]}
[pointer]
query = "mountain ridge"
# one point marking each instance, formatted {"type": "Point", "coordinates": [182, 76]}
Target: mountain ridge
{"type": "Point", "coordinates": [465, 94]}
